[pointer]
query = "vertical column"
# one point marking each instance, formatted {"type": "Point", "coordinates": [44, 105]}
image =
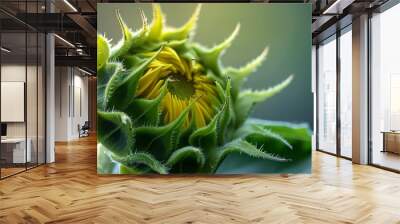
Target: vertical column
{"type": "Point", "coordinates": [360, 90]}
{"type": "Point", "coordinates": [50, 92]}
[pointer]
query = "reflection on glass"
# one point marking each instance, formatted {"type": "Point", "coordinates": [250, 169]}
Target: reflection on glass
{"type": "Point", "coordinates": [385, 95]}
{"type": "Point", "coordinates": [346, 93]}
{"type": "Point", "coordinates": [41, 99]}
{"type": "Point", "coordinates": [327, 96]}
{"type": "Point", "coordinates": [14, 150]}
{"type": "Point", "coordinates": [22, 89]}
{"type": "Point", "coordinates": [31, 97]}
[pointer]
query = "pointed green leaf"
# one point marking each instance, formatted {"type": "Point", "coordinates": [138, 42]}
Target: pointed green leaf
{"type": "Point", "coordinates": [242, 146]}
{"type": "Point", "coordinates": [162, 139]}
{"type": "Point", "coordinates": [178, 45]}
{"type": "Point", "coordinates": [255, 131]}
{"type": "Point", "coordinates": [142, 158]}
{"type": "Point", "coordinates": [184, 140]}
{"type": "Point", "coordinates": [115, 132]}
{"type": "Point", "coordinates": [297, 135]}
{"type": "Point", "coordinates": [184, 31]}
{"type": "Point", "coordinates": [206, 137]}
{"type": "Point", "coordinates": [126, 32]}
{"type": "Point", "coordinates": [157, 24]}
{"type": "Point", "coordinates": [247, 99]}
{"type": "Point", "coordinates": [211, 57]}
{"type": "Point", "coordinates": [103, 76]}
{"type": "Point", "coordinates": [130, 40]}
{"type": "Point", "coordinates": [103, 51]}
{"type": "Point", "coordinates": [239, 75]}
{"type": "Point", "coordinates": [186, 152]}
{"type": "Point", "coordinates": [226, 115]}
{"type": "Point", "coordinates": [145, 111]}
{"type": "Point", "coordinates": [249, 68]}
{"type": "Point", "coordinates": [121, 88]}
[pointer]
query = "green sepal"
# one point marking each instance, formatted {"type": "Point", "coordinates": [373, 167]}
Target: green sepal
{"type": "Point", "coordinates": [161, 140]}
{"type": "Point", "coordinates": [242, 146]}
{"type": "Point", "coordinates": [142, 158]}
{"type": "Point", "coordinates": [259, 135]}
{"type": "Point", "coordinates": [239, 75]}
{"type": "Point", "coordinates": [121, 88]}
{"type": "Point", "coordinates": [210, 58]}
{"type": "Point", "coordinates": [156, 27]}
{"type": "Point", "coordinates": [297, 135]}
{"type": "Point", "coordinates": [103, 51]}
{"type": "Point", "coordinates": [115, 132]}
{"type": "Point", "coordinates": [131, 61]}
{"type": "Point", "coordinates": [147, 112]}
{"type": "Point", "coordinates": [130, 40]}
{"type": "Point", "coordinates": [177, 45]}
{"type": "Point", "coordinates": [184, 31]}
{"type": "Point", "coordinates": [206, 137]}
{"type": "Point", "coordinates": [103, 76]}
{"type": "Point", "coordinates": [227, 114]}
{"type": "Point", "coordinates": [186, 152]}
{"type": "Point", "coordinates": [184, 140]}
{"type": "Point", "coordinates": [248, 98]}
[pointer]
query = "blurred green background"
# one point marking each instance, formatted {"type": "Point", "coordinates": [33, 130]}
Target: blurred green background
{"type": "Point", "coordinates": [284, 28]}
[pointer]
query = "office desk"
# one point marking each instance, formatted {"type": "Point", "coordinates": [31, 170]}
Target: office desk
{"type": "Point", "coordinates": [391, 141]}
{"type": "Point", "coordinates": [14, 150]}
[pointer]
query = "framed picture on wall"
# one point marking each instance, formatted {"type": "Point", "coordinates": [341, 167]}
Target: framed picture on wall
{"type": "Point", "coordinates": [189, 89]}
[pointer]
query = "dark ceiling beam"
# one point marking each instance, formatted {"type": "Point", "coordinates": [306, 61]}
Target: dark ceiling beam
{"type": "Point", "coordinates": [320, 23]}
{"type": "Point", "coordinates": [79, 61]}
{"type": "Point", "coordinates": [45, 22]}
{"type": "Point", "coordinates": [83, 23]}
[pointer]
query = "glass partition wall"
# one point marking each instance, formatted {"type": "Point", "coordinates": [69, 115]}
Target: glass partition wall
{"type": "Point", "coordinates": [334, 83]}
{"type": "Point", "coordinates": [385, 89]}
{"type": "Point", "coordinates": [327, 95]}
{"type": "Point", "coordinates": [345, 91]}
{"type": "Point", "coordinates": [22, 77]}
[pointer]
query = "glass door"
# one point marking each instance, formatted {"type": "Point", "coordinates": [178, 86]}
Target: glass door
{"type": "Point", "coordinates": [385, 89]}
{"type": "Point", "coordinates": [346, 92]}
{"type": "Point", "coordinates": [22, 78]}
{"type": "Point", "coordinates": [14, 153]}
{"type": "Point", "coordinates": [326, 60]}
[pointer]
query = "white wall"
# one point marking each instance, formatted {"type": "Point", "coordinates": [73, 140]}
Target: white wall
{"type": "Point", "coordinates": [71, 94]}
{"type": "Point", "coordinates": [61, 103]}
{"type": "Point", "coordinates": [16, 73]}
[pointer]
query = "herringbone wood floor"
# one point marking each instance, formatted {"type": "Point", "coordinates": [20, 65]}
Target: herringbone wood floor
{"type": "Point", "coordinates": [70, 191]}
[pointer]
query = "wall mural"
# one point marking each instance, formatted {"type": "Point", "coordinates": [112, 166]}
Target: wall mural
{"type": "Point", "coordinates": [170, 101]}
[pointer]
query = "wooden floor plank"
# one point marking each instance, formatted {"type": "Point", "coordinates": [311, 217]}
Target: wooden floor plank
{"type": "Point", "coordinates": [70, 191]}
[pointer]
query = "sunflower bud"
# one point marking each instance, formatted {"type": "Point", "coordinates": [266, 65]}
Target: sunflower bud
{"type": "Point", "coordinates": [172, 105]}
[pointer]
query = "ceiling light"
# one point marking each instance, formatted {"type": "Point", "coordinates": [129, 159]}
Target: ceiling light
{"type": "Point", "coordinates": [70, 5]}
{"type": "Point", "coordinates": [84, 71]}
{"type": "Point", "coordinates": [65, 41]}
{"type": "Point", "coordinates": [329, 9]}
{"type": "Point", "coordinates": [5, 50]}
{"type": "Point", "coordinates": [337, 7]}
